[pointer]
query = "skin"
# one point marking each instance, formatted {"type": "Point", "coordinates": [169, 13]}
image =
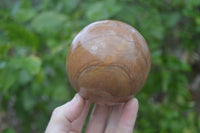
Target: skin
{"type": "Point", "coordinates": [70, 117]}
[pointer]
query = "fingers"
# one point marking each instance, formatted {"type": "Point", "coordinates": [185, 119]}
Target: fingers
{"type": "Point", "coordinates": [114, 119]}
{"type": "Point", "coordinates": [63, 116]}
{"type": "Point", "coordinates": [71, 117]}
{"type": "Point", "coordinates": [128, 116]}
{"type": "Point", "coordinates": [78, 123]}
{"type": "Point", "coordinates": [98, 119]}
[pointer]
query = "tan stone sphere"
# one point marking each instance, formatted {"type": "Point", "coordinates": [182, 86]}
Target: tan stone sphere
{"type": "Point", "coordinates": [108, 62]}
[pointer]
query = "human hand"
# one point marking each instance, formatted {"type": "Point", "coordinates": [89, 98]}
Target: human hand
{"type": "Point", "coordinates": [70, 117]}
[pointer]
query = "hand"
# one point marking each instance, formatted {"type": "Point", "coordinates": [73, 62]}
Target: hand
{"type": "Point", "coordinates": [70, 117]}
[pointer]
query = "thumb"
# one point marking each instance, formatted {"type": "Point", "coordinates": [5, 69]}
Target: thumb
{"type": "Point", "coordinates": [63, 116]}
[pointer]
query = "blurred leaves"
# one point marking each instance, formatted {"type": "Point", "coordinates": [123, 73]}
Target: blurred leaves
{"type": "Point", "coordinates": [22, 71]}
{"type": "Point", "coordinates": [18, 34]}
{"type": "Point", "coordinates": [35, 36]}
{"type": "Point", "coordinates": [9, 130]}
{"type": "Point", "coordinates": [32, 64]}
{"type": "Point", "coordinates": [24, 15]}
{"type": "Point", "coordinates": [7, 79]}
{"type": "Point", "coordinates": [48, 23]}
{"type": "Point", "coordinates": [68, 5]}
{"type": "Point", "coordinates": [103, 10]}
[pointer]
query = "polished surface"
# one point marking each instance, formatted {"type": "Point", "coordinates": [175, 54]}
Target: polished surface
{"type": "Point", "coordinates": [108, 62]}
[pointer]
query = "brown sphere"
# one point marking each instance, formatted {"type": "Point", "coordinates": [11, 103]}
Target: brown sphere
{"type": "Point", "coordinates": [108, 62]}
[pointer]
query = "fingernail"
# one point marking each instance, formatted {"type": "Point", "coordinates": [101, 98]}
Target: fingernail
{"type": "Point", "coordinates": [134, 100]}
{"type": "Point", "coordinates": [76, 98]}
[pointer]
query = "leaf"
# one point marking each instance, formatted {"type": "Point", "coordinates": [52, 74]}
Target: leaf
{"type": "Point", "coordinates": [165, 79]}
{"type": "Point", "coordinates": [25, 4]}
{"type": "Point", "coordinates": [9, 130]}
{"type": "Point", "coordinates": [2, 64]}
{"type": "Point", "coordinates": [24, 15]}
{"type": "Point", "coordinates": [4, 50]}
{"type": "Point", "coordinates": [192, 3]}
{"type": "Point", "coordinates": [156, 57]}
{"type": "Point", "coordinates": [113, 6]}
{"type": "Point", "coordinates": [48, 23]}
{"type": "Point", "coordinates": [69, 5]}
{"type": "Point", "coordinates": [32, 64]}
{"type": "Point", "coordinates": [185, 66]}
{"type": "Point", "coordinates": [197, 20]}
{"type": "Point", "coordinates": [171, 19]}
{"type": "Point", "coordinates": [16, 62]}
{"type": "Point", "coordinates": [28, 101]}
{"type": "Point", "coordinates": [19, 34]}
{"type": "Point", "coordinates": [96, 11]}
{"type": "Point", "coordinates": [24, 77]}
{"type": "Point", "coordinates": [149, 21]}
{"type": "Point", "coordinates": [7, 78]}
{"type": "Point", "coordinates": [60, 93]}
{"type": "Point", "coordinates": [127, 15]}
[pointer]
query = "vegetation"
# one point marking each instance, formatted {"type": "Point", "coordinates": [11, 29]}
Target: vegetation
{"type": "Point", "coordinates": [34, 39]}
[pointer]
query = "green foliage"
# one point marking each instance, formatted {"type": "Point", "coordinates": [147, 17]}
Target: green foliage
{"type": "Point", "coordinates": [35, 36]}
{"type": "Point", "coordinates": [9, 130]}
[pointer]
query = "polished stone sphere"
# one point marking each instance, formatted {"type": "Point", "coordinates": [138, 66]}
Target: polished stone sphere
{"type": "Point", "coordinates": [108, 62]}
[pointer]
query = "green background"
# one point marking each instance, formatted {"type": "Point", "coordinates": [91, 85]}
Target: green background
{"type": "Point", "coordinates": [34, 39]}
